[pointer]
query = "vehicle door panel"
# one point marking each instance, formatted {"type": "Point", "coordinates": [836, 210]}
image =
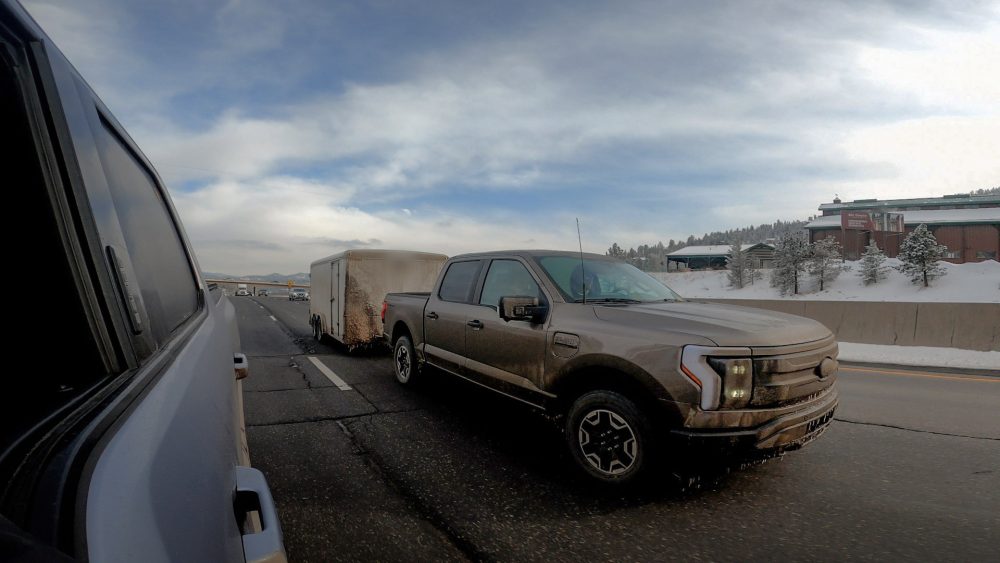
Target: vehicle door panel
{"type": "Point", "coordinates": [162, 479]}
{"type": "Point", "coordinates": [162, 488]}
{"type": "Point", "coordinates": [446, 314]}
{"type": "Point", "coordinates": [505, 353]}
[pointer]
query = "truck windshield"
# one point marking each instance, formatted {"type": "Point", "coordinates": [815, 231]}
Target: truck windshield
{"type": "Point", "coordinates": [604, 280]}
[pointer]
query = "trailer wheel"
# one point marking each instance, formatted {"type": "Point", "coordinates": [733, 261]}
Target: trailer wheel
{"type": "Point", "coordinates": [404, 361]}
{"type": "Point", "coordinates": [317, 330]}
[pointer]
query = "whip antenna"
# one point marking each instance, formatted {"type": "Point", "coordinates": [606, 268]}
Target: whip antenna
{"type": "Point", "coordinates": [583, 271]}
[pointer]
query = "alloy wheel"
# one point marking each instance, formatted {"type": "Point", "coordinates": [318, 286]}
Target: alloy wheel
{"type": "Point", "coordinates": [607, 442]}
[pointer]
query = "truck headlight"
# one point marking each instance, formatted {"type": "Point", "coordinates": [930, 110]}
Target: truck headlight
{"type": "Point", "coordinates": [737, 381]}
{"type": "Point", "coordinates": [723, 374]}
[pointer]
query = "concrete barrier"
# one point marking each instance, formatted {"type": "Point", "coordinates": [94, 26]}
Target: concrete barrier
{"type": "Point", "coordinates": [972, 326]}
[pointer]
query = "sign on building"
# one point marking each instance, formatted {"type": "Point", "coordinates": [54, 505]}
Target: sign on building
{"type": "Point", "coordinates": [873, 222]}
{"type": "Point", "coordinates": [856, 221]}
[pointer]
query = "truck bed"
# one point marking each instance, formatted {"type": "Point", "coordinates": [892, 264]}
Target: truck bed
{"type": "Point", "coordinates": [405, 309]}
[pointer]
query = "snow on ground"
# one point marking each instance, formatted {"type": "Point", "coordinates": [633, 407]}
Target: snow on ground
{"type": "Point", "coordinates": [977, 282]}
{"type": "Point", "coordinates": [926, 356]}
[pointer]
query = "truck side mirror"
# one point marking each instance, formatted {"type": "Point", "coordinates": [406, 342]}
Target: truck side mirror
{"type": "Point", "coordinates": [522, 308]}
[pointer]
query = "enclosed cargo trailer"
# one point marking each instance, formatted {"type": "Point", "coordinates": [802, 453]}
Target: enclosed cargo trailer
{"type": "Point", "coordinates": [348, 289]}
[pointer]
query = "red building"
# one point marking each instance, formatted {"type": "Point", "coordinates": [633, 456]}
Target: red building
{"type": "Point", "coordinates": [969, 225]}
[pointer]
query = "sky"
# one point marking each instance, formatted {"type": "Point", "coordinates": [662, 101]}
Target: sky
{"type": "Point", "coordinates": [288, 131]}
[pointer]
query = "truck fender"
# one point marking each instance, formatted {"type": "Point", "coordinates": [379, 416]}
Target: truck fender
{"type": "Point", "coordinates": [599, 370]}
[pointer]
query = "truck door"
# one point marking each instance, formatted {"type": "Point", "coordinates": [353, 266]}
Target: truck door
{"type": "Point", "coordinates": [506, 355]}
{"type": "Point", "coordinates": [446, 314]}
{"type": "Point", "coordinates": [139, 458]}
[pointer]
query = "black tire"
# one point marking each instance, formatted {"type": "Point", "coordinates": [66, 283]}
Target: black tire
{"type": "Point", "coordinates": [609, 438]}
{"type": "Point", "coordinates": [404, 361]}
{"type": "Point", "coordinates": [317, 330]}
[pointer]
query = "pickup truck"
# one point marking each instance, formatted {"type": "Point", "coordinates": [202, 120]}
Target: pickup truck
{"type": "Point", "coordinates": [123, 433]}
{"type": "Point", "coordinates": [635, 373]}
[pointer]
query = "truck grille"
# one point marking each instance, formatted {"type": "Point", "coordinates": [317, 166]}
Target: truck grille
{"type": "Point", "coordinates": [786, 375]}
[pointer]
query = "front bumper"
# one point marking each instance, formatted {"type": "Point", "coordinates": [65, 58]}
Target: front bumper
{"type": "Point", "coordinates": [781, 429]}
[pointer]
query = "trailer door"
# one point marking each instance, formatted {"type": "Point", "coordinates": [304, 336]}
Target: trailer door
{"type": "Point", "coordinates": [335, 286]}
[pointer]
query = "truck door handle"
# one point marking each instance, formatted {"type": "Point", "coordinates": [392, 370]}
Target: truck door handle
{"type": "Point", "coordinates": [253, 495]}
{"type": "Point", "coordinates": [432, 315]}
{"type": "Point", "coordinates": [476, 325]}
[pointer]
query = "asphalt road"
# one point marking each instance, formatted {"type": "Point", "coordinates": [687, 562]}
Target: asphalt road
{"type": "Point", "coordinates": [910, 469]}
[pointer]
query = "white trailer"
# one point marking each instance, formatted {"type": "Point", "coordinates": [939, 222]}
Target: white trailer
{"type": "Point", "coordinates": [348, 289]}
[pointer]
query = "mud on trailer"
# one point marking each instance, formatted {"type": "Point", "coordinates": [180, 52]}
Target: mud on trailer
{"type": "Point", "coordinates": [348, 289]}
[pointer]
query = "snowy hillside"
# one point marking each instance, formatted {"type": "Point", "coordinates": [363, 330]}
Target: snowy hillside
{"type": "Point", "coordinates": [964, 283]}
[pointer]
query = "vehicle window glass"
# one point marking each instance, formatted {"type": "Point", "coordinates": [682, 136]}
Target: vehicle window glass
{"type": "Point", "coordinates": [52, 308]}
{"type": "Point", "coordinates": [606, 280]}
{"type": "Point", "coordinates": [162, 269]}
{"type": "Point", "coordinates": [458, 281]}
{"type": "Point", "coordinates": [507, 278]}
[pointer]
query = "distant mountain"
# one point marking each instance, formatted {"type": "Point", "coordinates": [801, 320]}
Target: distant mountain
{"type": "Point", "coordinates": [300, 277]}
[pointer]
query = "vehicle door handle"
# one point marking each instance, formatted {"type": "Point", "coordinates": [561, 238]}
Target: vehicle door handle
{"type": "Point", "coordinates": [253, 495]}
{"type": "Point", "coordinates": [125, 291]}
{"type": "Point", "coordinates": [432, 315]}
{"type": "Point", "coordinates": [476, 325]}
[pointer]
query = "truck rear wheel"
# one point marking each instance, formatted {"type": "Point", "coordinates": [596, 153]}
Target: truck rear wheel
{"type": "Point", "coordinates": [404, 361]}
{"type": "Point", "coordinates": [608, 437]}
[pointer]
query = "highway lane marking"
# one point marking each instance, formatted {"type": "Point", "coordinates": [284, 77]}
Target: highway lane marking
{"type": "Point", "coordinates": [334, 378]}
{"type": "Point", "coordinates": [272, 318]}
{"type": "Point", "coordinates": [920, 374]}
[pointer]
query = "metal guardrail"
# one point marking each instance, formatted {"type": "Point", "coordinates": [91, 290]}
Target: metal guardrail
{"type": "Point", "coordinates": [257, 283]}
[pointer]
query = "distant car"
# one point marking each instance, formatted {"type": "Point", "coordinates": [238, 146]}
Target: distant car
{"type": "Point", "coordinates": [263, 293]}
{"type": "Point", "coordinates": [242, 293]}
{"type": "Point", "coordinates": [132, 448]}
{"type": "Point", "coordinates": [298, 294]}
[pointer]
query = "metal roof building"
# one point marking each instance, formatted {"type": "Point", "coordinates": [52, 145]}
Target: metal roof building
{"type": "Point", "coordinates": [969, 225]}
{"type": "Point", "coordinates": [715, 256]}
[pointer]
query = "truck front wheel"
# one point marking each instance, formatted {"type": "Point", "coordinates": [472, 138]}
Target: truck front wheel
{"type": "Point", "coordinates": [608, 437]}
{"type": "Point", "coordinates": [404, 361]}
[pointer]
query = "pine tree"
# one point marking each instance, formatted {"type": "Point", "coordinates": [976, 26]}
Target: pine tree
{"type": "Point", "coordinates": [752, 272]}
{"type": "Point", "coordinates": [825, 261]}
{"type": "Point", "coordinates": [737, 263]}
{"type": "Point", "coordinates": [616, 251]}
{"type": "Point", "coordinates": [873, 268]}
{"type": "Point", "coordinates": [790, 256]}
{"type": "Point", "coordinates": [920, 255]}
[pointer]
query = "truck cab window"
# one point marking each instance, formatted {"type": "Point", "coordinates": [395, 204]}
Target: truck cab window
{"type": "Point", "coordinates": [508, 278]}
{"type": "Point", "coordinates": [459, 281]}
{"type": "Point", "coordinates": [48, 310]}
{"type": "Point", "coordinates": [163, 273]}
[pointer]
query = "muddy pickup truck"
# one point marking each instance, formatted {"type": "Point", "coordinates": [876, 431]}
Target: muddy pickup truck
{"type": "Point", "coordinates": [635, 373]}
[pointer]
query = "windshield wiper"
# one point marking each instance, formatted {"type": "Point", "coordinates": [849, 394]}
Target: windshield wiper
{"type": "Point", "coordinates": [607, 300]}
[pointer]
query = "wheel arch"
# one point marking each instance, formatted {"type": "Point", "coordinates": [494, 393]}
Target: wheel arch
{"type": "Point", "coordinates": [400, 329]}
{"type": "Point", "coordinates": [611, 373]}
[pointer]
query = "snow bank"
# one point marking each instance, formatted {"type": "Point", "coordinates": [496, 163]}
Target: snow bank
{"type": "Point", "coordinates": [926, 356]}
{"type": "Point", "coordinates": [977, 282]}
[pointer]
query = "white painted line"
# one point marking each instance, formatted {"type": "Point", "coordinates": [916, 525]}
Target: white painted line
{"type": "Point", "coordinates": [272, 318]}
{"type": "Point", "coordinates": [334, 378]}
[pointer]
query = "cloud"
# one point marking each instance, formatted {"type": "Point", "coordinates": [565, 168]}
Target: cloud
{"type": "Point", "coordinates": [448, 126]}
{"type": "Point", "coordinates": [229, 245]}
{"type": "Point", "coordinates": [257, 228]}
{"type": "Point", "coordinates": [931, 155]}
{"type": "Point", "coordinates": [341, 243]}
